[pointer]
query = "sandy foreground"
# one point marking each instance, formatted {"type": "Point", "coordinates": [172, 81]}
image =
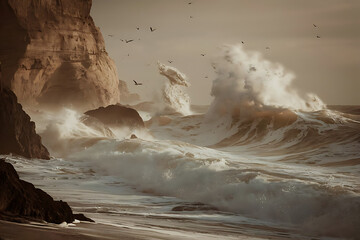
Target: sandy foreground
{"type": "Point", "coordinates": [86, 231]}
{"type": "Point", "coordinates": [92, 231]}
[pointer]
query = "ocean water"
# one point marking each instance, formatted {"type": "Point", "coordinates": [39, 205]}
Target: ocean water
{"type": "Point", "coordinates": [260, 162]}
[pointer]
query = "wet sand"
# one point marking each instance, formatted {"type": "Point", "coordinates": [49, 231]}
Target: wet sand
{"type": "Point", "coordinates": [83, 231]}
{"type": "Point", "coordinates": [135, 228]}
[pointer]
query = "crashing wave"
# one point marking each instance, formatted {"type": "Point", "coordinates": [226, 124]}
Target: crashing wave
{"type": "Point", "coordinates": [248, 83]}
{"type": "Point", "coordinates": [174, 96]}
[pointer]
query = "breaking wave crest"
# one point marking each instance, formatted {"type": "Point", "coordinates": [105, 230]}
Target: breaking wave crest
{"type": "Point", "coordinates": [247, 83]}
{"type": "Point", "coordinates": [205, 175]}
{"type": "Point", "coordinates": [174, 96]}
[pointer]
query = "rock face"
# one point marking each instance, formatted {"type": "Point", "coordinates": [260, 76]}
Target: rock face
{"type": "Point", "coordinates": [53, 54]}
{"type": "Point", "coordinates": [17, 132]}
{"type": "Point", "coordinates": [20, 199]}
{"type": "Point", "coordinates": [118, 116]}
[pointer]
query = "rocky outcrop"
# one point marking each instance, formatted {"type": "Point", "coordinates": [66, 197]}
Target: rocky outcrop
{"type": "Point", "coordinates": [20, 200]}
{"type": "Point", "coordinates": [117, 116]}
{"type": "Point", "coordinates": [53, 54]}
{"type": "Point", "coordinates": [17, 132]}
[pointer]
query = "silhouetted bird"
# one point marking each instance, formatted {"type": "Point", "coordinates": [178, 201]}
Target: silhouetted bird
{"type": "Point", "coordinates": [242, 42]}
{"type": "Point", "coordinates": [152, 29]}
{"type": "Point", "coordinates": [206, 76]}
{"type": "Point", "coordinates": [136, 83]}
{"type": "Point", "coordinates": [191, 16]}
{"type": "Point", "coordinates": [314, 25]}
{"type": "Point", "coordinates": [318, 36]}
{"type": "Point", "coordinates": [203, 54]}
{"type": "Point", "coordinates": [190, 3]}
{"type": "Point", "coordinates": [138, 28]}
{"type": "Point", "coordinates": [127, 41]}
{"type": "Point", "coordinates": [121, 40]}
{"type": "Point", "coordinates": [170, 61]}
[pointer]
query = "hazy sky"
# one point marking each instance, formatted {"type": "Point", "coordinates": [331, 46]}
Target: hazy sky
{"type": "Point", "coordinates": [329, 66]}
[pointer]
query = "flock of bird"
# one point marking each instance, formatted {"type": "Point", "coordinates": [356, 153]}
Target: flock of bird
{"type": "Point", "coordinates": [171, 61]}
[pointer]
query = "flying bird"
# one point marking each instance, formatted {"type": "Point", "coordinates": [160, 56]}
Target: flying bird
{"type": "Point", "coordinates": [242, 42]}
{"type": "Point", "coordinates": [170, 61]}
{"type": "Point", "coordinates": [206, 76]}
{"type": "Point", "coordinates": [136, 83]}
{"type": "Point", "coordinates": [138, 28]}
{"type": "Point", "coordinates": [203, 54]}
{"type": "Point", "coordinates": [191, 16]}
{"type": "Point", "coordinates": [190, 3]}
{"type": "Point", "coordinates": [314, 25]}
{"type": "Point", "coordinates": [127, 41]}
{"type": "Point", "coordinates": [121, 40]}
{"type": "Point", "coordinates": [152, 29]}
{"type": "Point", "coordinates": [317, 36]}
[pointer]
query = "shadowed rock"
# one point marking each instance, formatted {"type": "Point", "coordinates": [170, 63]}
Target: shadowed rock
{"type": "Point", "coordinates": [194, 207]}
{"type": "Point", "coordinates": [117, 116]}
{"type": "Point", "coordinates": [21, 199]}
{"type": "Point", "coordinates": [82, 217]}
{"type": "Point", "coordinates": [17, 132]}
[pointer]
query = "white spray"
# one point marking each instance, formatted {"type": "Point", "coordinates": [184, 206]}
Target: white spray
{"type": "Point", "coordinates": [246, 82]}
{"type": "Point", "coordinates": [174, 96]}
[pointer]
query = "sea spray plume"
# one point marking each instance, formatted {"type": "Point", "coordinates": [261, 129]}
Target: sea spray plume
{"type": "Point", "coordinates": [174, 96]}
{"type": "Point", "coordinates": [247, 83]}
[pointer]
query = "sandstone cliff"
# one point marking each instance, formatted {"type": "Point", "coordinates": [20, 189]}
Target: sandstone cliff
{"type": "Point", "coordinates": [17, 132]}
{"type": "Point", "coordinates": [20, 200]}
{"type": "Point", "coordinates": [53, 54]}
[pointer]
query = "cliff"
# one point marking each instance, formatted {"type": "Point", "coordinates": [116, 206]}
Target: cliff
{"type": "Point", "coordinates": [17, 132]}
{"type": "Point", "coordinates": [52, 54]}
{"type": "Point", "coordinates": [21, 200]}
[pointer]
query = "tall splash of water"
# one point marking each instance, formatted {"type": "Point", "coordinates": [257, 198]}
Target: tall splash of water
{"type": "Point", "coordinates": [174, 96]}
{"type": "Point", "coordinates": [246, 82]}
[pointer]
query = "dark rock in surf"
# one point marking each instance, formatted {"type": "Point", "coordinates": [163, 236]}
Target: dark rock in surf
{"type": "Point", "coordinates": [133, 136]}
{"type": "Point", "coordinates": [117, 116]}
{"type": "Point", "coordinates": [21, 201]}
{"type": "Point", "coordinates": [82, 217]}
{"type": "Point", "coordinates": [17, 132]}
{"type": "Point", "coordinates": [194, 207]}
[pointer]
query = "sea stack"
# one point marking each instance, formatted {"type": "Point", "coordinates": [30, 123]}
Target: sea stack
{"type": "Point", "coordinates": [52, 54]}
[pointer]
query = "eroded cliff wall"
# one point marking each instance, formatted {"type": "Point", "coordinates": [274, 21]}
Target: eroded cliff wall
{"type": "Point", "coordinates": [17, 131]}
{"type": "Point", "coordinates": [52, 54]}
